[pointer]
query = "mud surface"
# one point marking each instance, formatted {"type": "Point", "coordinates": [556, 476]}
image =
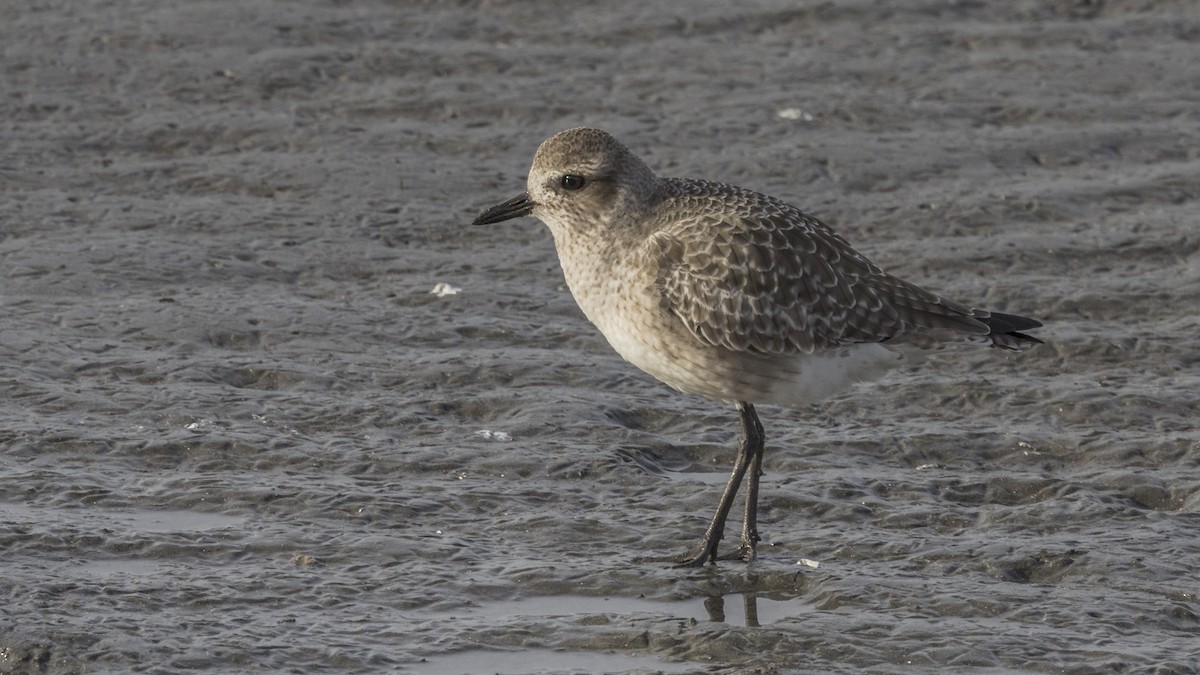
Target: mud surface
{"type": "Point", "coordinates": [239, 433]}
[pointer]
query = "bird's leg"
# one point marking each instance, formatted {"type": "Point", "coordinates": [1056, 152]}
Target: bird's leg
{"type": "Point", "coordinates": [750, 538]}
{"type": "Point", "coordinates": [749, 447]}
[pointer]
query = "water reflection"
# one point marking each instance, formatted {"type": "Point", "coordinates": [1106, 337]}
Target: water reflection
{"type": "Point", "coordinates": [741, 609]}
{"type": "Point", "coordinates": [744, 609]}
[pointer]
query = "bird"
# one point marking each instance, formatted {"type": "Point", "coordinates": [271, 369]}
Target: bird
{"type": "Point", "coordinates": [731, 294]}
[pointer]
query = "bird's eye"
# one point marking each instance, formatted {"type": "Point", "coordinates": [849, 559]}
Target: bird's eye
{"type": "Point", "coordinates": [572, 182]}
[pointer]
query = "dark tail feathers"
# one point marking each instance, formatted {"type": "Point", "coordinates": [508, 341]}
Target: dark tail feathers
{"type": "Point", "coordinates": [1005, 330]}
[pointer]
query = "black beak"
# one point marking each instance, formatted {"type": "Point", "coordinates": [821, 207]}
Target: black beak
{"type": "Point", "coordinates": [518, 206]}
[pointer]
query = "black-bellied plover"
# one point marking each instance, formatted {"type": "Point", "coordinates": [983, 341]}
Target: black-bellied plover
{"type": "Point", "coordinates": [728, 293]}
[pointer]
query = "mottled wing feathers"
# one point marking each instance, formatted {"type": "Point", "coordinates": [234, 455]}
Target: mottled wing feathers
{"type": "Point", "coordinates": [767, 278]}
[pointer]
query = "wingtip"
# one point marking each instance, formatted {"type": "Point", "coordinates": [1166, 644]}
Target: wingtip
{"type": "Point", "coordinates": [1006, 331]}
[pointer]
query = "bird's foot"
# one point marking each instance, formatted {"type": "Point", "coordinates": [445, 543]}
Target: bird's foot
{"type": "Point", "coordinates": [747, 552]}
{"type": "Point", "coordinates": [700, 556]}
{"type": "Point", "coordinates": [706, 553]}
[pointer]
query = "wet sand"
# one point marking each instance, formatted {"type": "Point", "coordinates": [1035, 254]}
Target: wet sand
{"type": "Point", "coordinates": [240, 434]}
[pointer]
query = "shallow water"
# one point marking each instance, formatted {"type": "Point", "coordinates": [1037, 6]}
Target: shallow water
{"type": "Point", "coordinates": [240, 434]}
